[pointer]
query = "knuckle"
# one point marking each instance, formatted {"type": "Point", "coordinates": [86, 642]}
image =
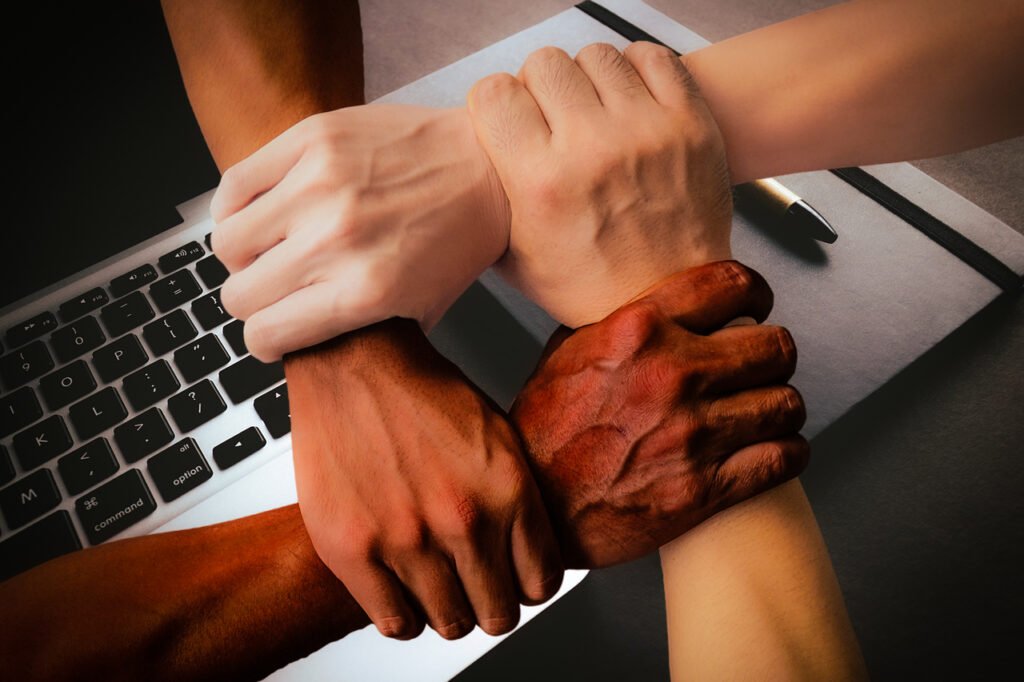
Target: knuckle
{"type": "Point", "coordinates": [649, 53]}
{"type": "Point", "coordinates": [501, 622]}
{"type": "Point", "coordinates": [231, 298]}
{"type": "Point", "coordinates": [793, 404]}
{"type": "Point", "coordinates": [398, 627]}
{"type": "Point", "coordinates": [787, 347]}
{"type": "Point", "coordinates": [637, 322]}
{"type": "Point", "coordinates": [465, 520]}
{"type": "Point", "coordinates": [544, 57]}
{"type": "Point", "coordinates": [598, 53]}
{"type": "Point", "coordinates": [736, 275]}
{"type": "Point", "coordinates": [259, 339]}
{"type": "Point", "coordinates": [455, 630]}
{"type": "Point", "coordinates": [493, 89]}
{"type": "Point", "coordinates": [539, 590]}
{"type": "Point", "coordinates": [410, 537]}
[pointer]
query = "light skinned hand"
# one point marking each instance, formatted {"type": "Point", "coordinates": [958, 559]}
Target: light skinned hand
{"type": "Point", "coordinates": [355, 216]}
{"type": "Point", "coordinates": [614, 170]}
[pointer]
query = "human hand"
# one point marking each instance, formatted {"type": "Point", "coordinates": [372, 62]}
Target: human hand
{"type": "Point", "coordinates": [647, 423]}
{"type": "Point", "coordinates": [414, 488]}
{"type": "Point", "coordinates": [354, 216]}
{"type": "Point", "coordinates": [615, 172]}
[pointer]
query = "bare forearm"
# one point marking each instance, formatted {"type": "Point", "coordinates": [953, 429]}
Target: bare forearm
{"type": "Point", "coordinates": [233, 601]}
{"type": "Point", "coordinates": [751, 594]}
{"type": "Point", "coordinates": [865, 82]}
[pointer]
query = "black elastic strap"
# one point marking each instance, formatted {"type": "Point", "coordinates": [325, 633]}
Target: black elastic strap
{"type": "Point", "coordinates": [942, 234]}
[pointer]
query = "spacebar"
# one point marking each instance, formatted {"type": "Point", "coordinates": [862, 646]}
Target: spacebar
{"type": "Point", "coordinates": [249, 376]}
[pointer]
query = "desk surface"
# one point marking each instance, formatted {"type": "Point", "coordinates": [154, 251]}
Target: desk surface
{"type": "Point", "coordinates": [916, 490]}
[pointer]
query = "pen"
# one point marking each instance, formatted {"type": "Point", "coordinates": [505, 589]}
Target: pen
{"type": "Point", "coordinates": [779, 203]}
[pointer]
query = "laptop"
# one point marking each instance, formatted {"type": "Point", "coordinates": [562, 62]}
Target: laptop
{"type": "Point", "coordinates": [128, 401]}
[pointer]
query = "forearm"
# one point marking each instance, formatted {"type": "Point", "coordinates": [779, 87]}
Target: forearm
{"type": "Point", "coordinates": [233, 601]}
{"type": "Point", "coordinates": [751, 594]}
{"type": "Point", "coordinates": [866, 82]}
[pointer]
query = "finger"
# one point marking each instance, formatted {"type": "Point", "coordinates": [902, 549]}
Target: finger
{"type": "Point", "coordinates": [736, 421]}
{"type": "Point", "coordinates": [760, 467]}
{"type": "Point", "coordinates": [614, 79]}
{"type": "Point", "coordinates": [307, 317]}
{"type": "Point", "coordinates": [664, 74]}
{"type": "Point", "coordinates": [277, 273]}
{"type": "Point", "coordinates": [382, 597]}
{"type": "Point", "coordinates": [486, 574]}
{"type": "Point", "coordinates": [266, 167]}
{"type": "Point", "coordinates": [748, 357]}
{"type": "Point", "coordinates": [560, 88]}
{"type": "Point", "coordinates": [241, 237]}
{"type": "Point", "coordinates": [432, 581]}
{"type": "Point", "coordinates": [535, 554]}
{"type": "Point", "coordinates": [709, 296]}
{"type": "Point", "coordinates": [508, 123]}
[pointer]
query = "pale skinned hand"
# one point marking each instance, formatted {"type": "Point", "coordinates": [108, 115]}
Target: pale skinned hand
{"type": "Point", "coordinates": [614, 170]}
{"type": "Point", "coordinates": [414, 488]}
{"type": "Point", "coordinates": [355, 216]}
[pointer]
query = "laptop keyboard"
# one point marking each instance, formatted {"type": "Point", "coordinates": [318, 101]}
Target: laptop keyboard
{"type": "Point", "coordinates": [102, 398]}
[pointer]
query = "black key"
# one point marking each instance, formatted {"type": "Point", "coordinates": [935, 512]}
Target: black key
{"type": "Point", "coordinates": [67, 384]}
{"type": "Point", "coordinates": [80, 305]}
{"type": "Point", "coordinates": [249, 376]}
{"type": "Point", "coordinates": [179, 469]}
{"type": "Point", "coordinates": [179, 258]}
{"type": "Point", "coordinates": [77, 338]}
{"type": "Point", "coordinates": [88, 465]}
{"type": "Point", "coordinates": [31, 328]}
{"type": "Point", "coordinates": [234, 450]}
{"type": "Point", "coordinates": [52, 537]}
{"type": "Point", "coordinates": [208, 240]}
{"type": "Point", "coordinates": [114, 506]}
{"type": "Point", "coordinates": [143, 434]}
{"type": "Point", "coordinates": [212, 272]}
{"type": "Point", "coordinates": [29, 498]}
{"type": "Point", "coordinates": [130, 281]}
{"type": "Point", "coordinates": [195, 406]}
{"type": "Point", "coordinates": [97, 413]}
{"type": "Point", "coordinates": [116, 359]}
{"type": "Point", "coordinates": [126, 314]}
{"type": "Point", "coordinates": [173, 290]}
{"type": "Point", "coordinates": [234, 332]}
{"type": "Point", "coordinates": [149, 385]}
{"type": "Point", "coordinates": [169, 332]}
{"type": "Point", "coordinates": [42, 442]}
{"type": "Point", "coordinates": [6, 466]}
{"type": "Point", "coordinates": [24, 365]}
{"type": "Point", "coordinates": [209, 311]}
{"type": "Point", "coordinates": [18, 410]}
{"type": "Point", "coordinates": [201, 357]}
{"type": "Point", "coordinates": [272, 407]}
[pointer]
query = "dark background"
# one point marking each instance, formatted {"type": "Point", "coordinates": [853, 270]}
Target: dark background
{"type": "Point", "coordinates": [918, 490]}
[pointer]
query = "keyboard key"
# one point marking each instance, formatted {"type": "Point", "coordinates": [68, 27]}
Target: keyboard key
{"type": "Point", "coordinates": [130, 281]}
{"type": "Point", "coordinates": [172, 291]}
{"type": "Point", "coordinates": [234, 332]}
{"type": "Point", "coordinates": [77, 338]}
{"type": "Point", "coordinates": [209, 311]}
{"type": "Point", "coordinates": [24, 365]}
{"type": "Point", "coordinates": [249, 376]}
{"type": "Point", "coordinates": [150, 385]}
{"type": "Point", "coordinates": [116, 359]}
{"type": "Point", "coordinates": [143, 434]}
{"type": "Point", "coordinates": [126, 314]}
{"type": "Point", "coordinates": [114, 506]}
{"type": "Point", "coordinates": [83, 468]}
{"type": "Point", "coordinates": [212, 272]}
{"type": "Point", "coordinates": [52, 537]}
{"type": "Point", "coordinates": [80, 305]}
{"type": "Point", "coordinates": [208, 240]}
{"type": "Point", "coordinates": [169, 332]}
{"type": "Point", "coordinates": [18, 410]}
{"type": "Point", "coordinates": [179, 469]}
{"type": "Point", "coordinates": [97, 413]}
{"type": "Point", "coordinates": [195, 406]}
{"type": "Point", "coordinates": [67, 384]}
{"type": "Point", "coordinates": [29, 498]}
{"type": "Point", "coordinates": [179, 258]}
{"type": "Point", "coordinates": [234, 450]}
{"type": "Point", "coordinates": [272, 407]}
{"type": "Point", "coordinates": [6, 467]}
{"type": "Point", "coordinates": [31, 328]}
{"type": "Point", "coordinates": [201, 357]}
{"type": "Point", "coordinates": [42, 442]}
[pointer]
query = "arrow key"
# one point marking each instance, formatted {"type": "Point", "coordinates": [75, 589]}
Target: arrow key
{"type": "Point", "coordinates": [241, 445]}
{"type": "Point", "coordinates": [272, 407]}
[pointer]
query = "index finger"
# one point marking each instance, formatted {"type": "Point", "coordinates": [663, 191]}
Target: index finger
{"type": "Point", "coordinates": [707, 297]}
